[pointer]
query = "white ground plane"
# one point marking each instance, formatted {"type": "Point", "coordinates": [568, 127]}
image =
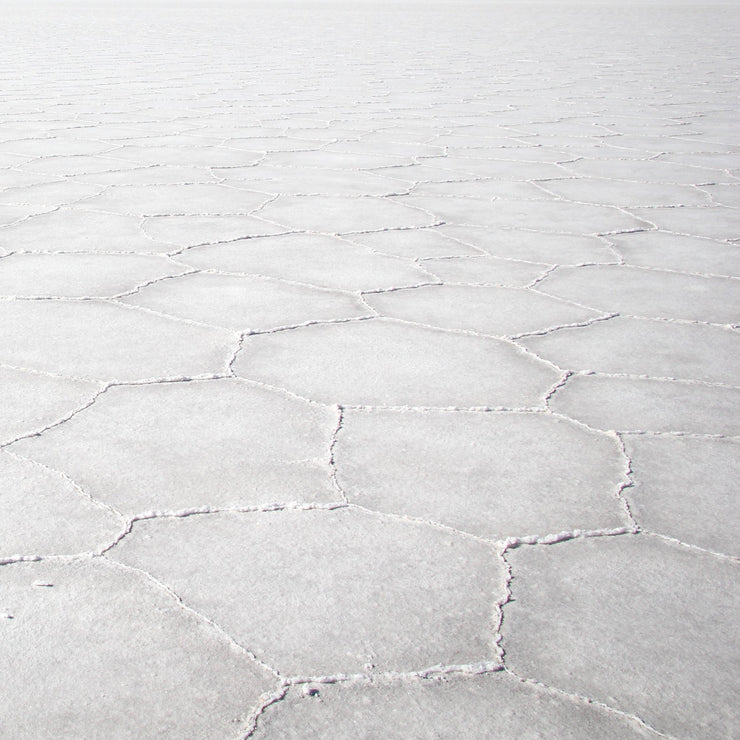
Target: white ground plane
{"type": "Point", "coordinates": [369, 372]}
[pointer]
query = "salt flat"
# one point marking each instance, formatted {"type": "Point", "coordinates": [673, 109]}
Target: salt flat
{"type": "Point", "coordinates": [369, 371]}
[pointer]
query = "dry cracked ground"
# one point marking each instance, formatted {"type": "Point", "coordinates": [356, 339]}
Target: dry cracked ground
{"type": "Point", "coordinates": [369, 372]}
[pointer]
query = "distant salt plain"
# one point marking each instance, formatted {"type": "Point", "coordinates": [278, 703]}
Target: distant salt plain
{"type": "Point", "coordinates": [369, 371]}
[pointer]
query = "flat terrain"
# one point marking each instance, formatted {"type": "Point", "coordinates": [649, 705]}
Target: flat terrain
{"type": "Point", "coordinates": [369, 372]}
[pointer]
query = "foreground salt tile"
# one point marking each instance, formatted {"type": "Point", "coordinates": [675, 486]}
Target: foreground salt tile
{"type": "Point", "coordinates": [268, 447]}
{"type": "Point", "coordinates": [335, 215]}
{"type": "Point", "coordinates": [44, 513]}
{"type": "Point", "coordinates": [648, 293]}
{"type": "Point", "coordinates": [686, 488]}
{"type": "Point", "coordinates": [493, 705]}
{"type": "Point", "coordinates": [99, 651]}
{"type": "Point", "coordinates": [80, 274]}
{"type": "Point", "coordinates": [484, 270]}
{"type": "Point", "coordinates": [189, 231]}
{"type": "Point", "coordinates": [488, 310]}
{"type": "Point", "coordinates": [107, 341]}
{"type": "Point", "coordinates": [68, 230]}
{"type": "Point", "coordinates": [679, 252]}
{"type": "Point", "coordinates": [310, 258]}
{"type": "Point", "coordinates": [716, 222]}
{"type": "Point", "coordinates": [332, 591]}
{"type": "Point", "coordinates": [240, 302]}
{"type": "Point", "coordinates": [385, 362]}
{"type": "Point", "coordinates": [644, 347]}
{"type": "Point", "coordinates": [164, 200]}
{"type": "Point", "coordinates": [626, 404]}
{"type": "Point", "coordinates": [625, 194]}
{"type": "Point", "coordinates": [496, 475]}
{"type": "Point", "coordinates": [658, 638]}
{"type": "Point", "coordinates": [32, 401]}
{"type": "Point", "coordinates": [414, 243]}
{"type": "Point", "coordinates": [534, 246]}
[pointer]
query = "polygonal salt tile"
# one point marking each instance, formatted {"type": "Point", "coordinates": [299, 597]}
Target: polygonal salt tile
{"type": "Point", "coordinates": [560, 216]}
{"type": "Point", "coordinates": [10, 214]}
{"type": "Point", "coordinates": [32, 401]}
{"type": "Point", "coordinates": [649, 405]}
{"type": "Point", "coordinates": [326, 592]}
{"type": "Point", "coordinates": [333, 160]}
{"type": "Point", "coordinates": [488, 310]}
{"type": "Point", "coordinates": [53, 146]}
{"type": "Point", "coordinates": [625, 194]}
{"type": "Point", "coordinates": [722, 160]}
{"type": "Point", "coordinates": [451, 210]}
{"type": "Point", "coordinates": [485, 189]}
{"type": "Point", "coordinates": [413, 243]}
{"type": "Point", "coordinates": [14, 160]}
{"type": "Point", "coordinates": [164, 200]}
{"type": "Point", "coordinates": [79, 275]}
{"type": "Point", "coordinates": [658, 144]}
{"type": "Point", "coordinates": [491, 705]}
{"type": "Point", "coordinates": [650, 170]}
{"type": "Point", "coordinates": [181, 139]}
{"type": "Point", "coordinates": [68, 230]}
{"type": "Point", "coordinates": [496, 475]}
{"type": "Point", "coordinates": [16, 179]}
{"type": "Point", "coordinates": [186, 156]}
{"type": "Point", "coordinates": [102, 340]}
{"type": "Point", "coordinates": [640, 624]}
{"type": "Point", "coordinates": [394, 148]}
{"type": "Point", "coordinates": [686, 488]}
{"type": "Point", "coordinates": [383, 362]}
{"type": "Point", "coordinates": [501, 169]}
{"type": "Point", "coordinates": [724, 195]}
{"type": "Point", "coordinates": [554, 249]}
{"type": "Point", "coordinates": [272, 144]}
{"type": "Point", "coordinates": [310, 258]}
{"type": "Point", "coordinates": [98, 651]}
{"type": "Point", "coordinates": [222, 443]}
{"type": "Point", "coordinates": [190, 231]}
{"type": "Point", "coordinates": [678, 252]}
{"type": "Point", "coordinates": [310, 181]}
{"type": "Point", "coordinates": [334, 215]}
{"type": "Point", "coordinates": [63, 164]}
{"type": "Point", "coordinates": [431, 171]}
{"type": "Point", "coordinates": [647, 293]}
{"type": "Point", "coordinates": [715, 222]}
{"type": "Point", "coordinates": [153, 175]}
{"type": "Point", "coordinates": [49, 194]}
{"type": "Point", "coordinates": [43, 513]}
{"type": "Point", "coordinates": [241, 303]}
{"type": "Point", "coordinates": [645, 347]}
{"type": "Point", "coordinates": [484, 270]}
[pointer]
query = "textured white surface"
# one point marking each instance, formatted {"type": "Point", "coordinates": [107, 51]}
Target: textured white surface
{"type": "Point", "coordinates": [368, 371]}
